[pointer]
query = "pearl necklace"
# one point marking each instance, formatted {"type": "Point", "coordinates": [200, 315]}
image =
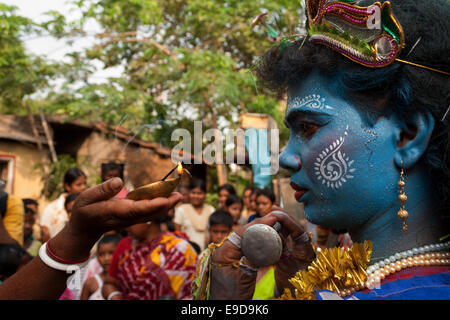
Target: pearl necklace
{"type": "Point", "coordinates": [416, 257]}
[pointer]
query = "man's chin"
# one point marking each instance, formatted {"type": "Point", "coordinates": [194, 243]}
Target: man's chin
{"type": "Point", "coordinates": [320, 218]}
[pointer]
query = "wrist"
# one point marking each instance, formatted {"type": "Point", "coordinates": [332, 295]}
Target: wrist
{"type": "Point", "coordinates": [227, 253]}
{"type": "Point", "coordinates": [70, 244]}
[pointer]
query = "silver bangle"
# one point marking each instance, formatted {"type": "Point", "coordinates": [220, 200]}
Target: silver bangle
{"type": "Point", "coordinates": [247, 269]}
{"type": "Point", "coordinates": [235, 239]}
{"type": "Point", "coordinates": [112, 294]}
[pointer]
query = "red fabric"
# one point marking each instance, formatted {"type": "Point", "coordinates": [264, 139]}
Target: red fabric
{"type": "Point", "coordinates": [61, 260]}
{"type": "Point", "coordinates": [123, 246]}
{"type": "Point", "coordinates": [141, 278]}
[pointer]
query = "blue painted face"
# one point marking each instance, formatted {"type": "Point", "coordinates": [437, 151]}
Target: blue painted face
{"type": "Point", "coordinates": [343, 169]}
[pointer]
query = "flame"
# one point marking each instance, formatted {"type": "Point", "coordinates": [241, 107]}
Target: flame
{"type": "Point", "coordinates": [180, 168]}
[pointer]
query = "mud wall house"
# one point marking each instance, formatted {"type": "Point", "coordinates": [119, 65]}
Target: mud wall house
{"type": "Point", "coordinates": [19, 154]}
{"type": "Point", "coordinates": [144, 161]}
{"type": "Point", "coordinates": [97, 142]}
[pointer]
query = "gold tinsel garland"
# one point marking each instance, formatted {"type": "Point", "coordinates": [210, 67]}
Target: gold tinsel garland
{"type": "Point", "coordinates": [334, 269]}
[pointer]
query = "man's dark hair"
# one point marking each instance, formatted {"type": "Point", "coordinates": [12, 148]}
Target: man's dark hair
{"type": "Point", "coordinates": [248, 188]}
{"type": "Point", "coordinates": [233, 198]}
{"type": "Point", "coordinates": [28, 210]}
{"type": "Point", "coordinates": [71, 175]}
{"type": "Point", "coordinates": [267, 192]}
{"type": "Point", "coordinates": [70, 198]}
{"type": "Point", "coordinates": [109, 238]}
{"type": "Point", "coordinates": [196, 247]}
{"type": "Point", "coordinates": [228, 187]}
{"type": "Point", "coordinates": [28, 201]}
{"type": "Point", "coordinates": [197, 183]}
{"type": "Point", "coordinates": [221, 217]}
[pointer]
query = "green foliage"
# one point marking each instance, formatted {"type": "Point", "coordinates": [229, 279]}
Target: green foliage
{"type": "Point", "coordinates": [212, 199]}
{"type": "Point", "coordinates": [21, 74]}
{"type": "Point", "coordinates": [239, 183]}
{"type": "Point", "coordinates": [183, 60]}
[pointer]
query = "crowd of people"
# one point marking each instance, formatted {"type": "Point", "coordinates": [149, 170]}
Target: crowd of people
{"type": "Point", "coordinates": [152, 260]}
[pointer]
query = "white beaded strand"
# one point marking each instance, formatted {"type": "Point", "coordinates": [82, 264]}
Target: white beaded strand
{"type": "Point", "coordinates": [416, 257]}
{"type": "Point", "coordinates": [409, 253]}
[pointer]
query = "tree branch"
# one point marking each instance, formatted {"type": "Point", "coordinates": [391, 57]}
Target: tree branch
{"type": "Point", "coordinates": [125, 37]}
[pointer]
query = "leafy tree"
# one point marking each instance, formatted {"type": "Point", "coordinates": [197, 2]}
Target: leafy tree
{"type": "Point", "coordinates": [21, 74]}
{"type": "Point", "coordinates": [182, 59]}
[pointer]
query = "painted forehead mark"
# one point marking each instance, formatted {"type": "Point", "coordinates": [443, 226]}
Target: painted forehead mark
{"type": "Point", "coordinates": [332, 166]}
{"type": "Point", "coordinates": [312, 101]}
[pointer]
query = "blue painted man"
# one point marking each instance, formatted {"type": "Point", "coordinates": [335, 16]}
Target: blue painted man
{"type": "Point", "coordinates": [369, 152]}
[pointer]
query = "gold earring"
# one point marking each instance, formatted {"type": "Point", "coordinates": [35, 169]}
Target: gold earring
{"type": "Point", "coordinates": [402, 213]}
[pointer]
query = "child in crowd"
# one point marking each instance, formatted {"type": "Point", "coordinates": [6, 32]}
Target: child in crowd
{"type": "Point", "coordinates": [70, 201]}
{"type": "Point", "coordinates": [34, 206]}
{"type": "Point", "coordinates": [220, 224]}
{"type": "Point", "coordinates": [92, 289]}
{"type": "Point", "coordinates": [233, 206]}
{"type": "Point", "coordinates": [30, 244]}
{"type": "Point", "coordinates": [112, 170]}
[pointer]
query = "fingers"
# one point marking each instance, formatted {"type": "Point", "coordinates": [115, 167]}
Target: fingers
{"type": "Point", "coordinates": [101, 192]}
{"type": "Point", "coordinates": [145, 210]}
{"type": "Point", "coordinates": [123, 213]}
{"type": "Point", "coordinates": [290, 226]}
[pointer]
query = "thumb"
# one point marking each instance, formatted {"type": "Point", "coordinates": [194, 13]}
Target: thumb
{"type": "Point", "coordinates": [101, 192]}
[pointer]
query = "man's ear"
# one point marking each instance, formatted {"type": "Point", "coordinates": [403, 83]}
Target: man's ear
{"type": "Point", "coordinates": [412, 138]}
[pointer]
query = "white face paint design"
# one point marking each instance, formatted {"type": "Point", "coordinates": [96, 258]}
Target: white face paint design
{"type": "Point", "coordinates": [313, 101]}
{"type": "Point", "coordinates": [333, 167]}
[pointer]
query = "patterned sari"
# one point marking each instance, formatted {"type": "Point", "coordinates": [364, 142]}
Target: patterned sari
{"type": "Point", "coordinates": [160, 267]}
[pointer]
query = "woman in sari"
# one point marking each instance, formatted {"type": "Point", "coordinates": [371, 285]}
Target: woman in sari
{"type": "Point", "coordinates": [151, 265]}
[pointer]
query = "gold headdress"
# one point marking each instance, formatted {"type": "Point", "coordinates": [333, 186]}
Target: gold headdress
{"type": "Point", "coordinates": [370, 36]}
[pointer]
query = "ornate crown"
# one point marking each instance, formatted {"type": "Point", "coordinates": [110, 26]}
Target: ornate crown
{"type": "Point", "coordinates": [370, 36]}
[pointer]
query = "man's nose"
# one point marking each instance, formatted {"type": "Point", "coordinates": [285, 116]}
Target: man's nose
{"type": "Point", "coordinates": [290, 161]}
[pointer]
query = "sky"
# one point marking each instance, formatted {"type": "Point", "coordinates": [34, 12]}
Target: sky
{"type": "Point", "coordinates": [52, 48]}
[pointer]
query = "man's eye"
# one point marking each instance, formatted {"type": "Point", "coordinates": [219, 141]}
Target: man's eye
{"type": "Point", "coordinates": [306, 129]}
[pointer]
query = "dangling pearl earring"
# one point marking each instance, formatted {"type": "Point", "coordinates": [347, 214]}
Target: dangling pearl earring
{"type": "Point", "coordinates": [402, 213]}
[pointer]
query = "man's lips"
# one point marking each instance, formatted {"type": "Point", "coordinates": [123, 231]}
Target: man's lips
{"type": "Point", "coordinates": [299, 191]}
